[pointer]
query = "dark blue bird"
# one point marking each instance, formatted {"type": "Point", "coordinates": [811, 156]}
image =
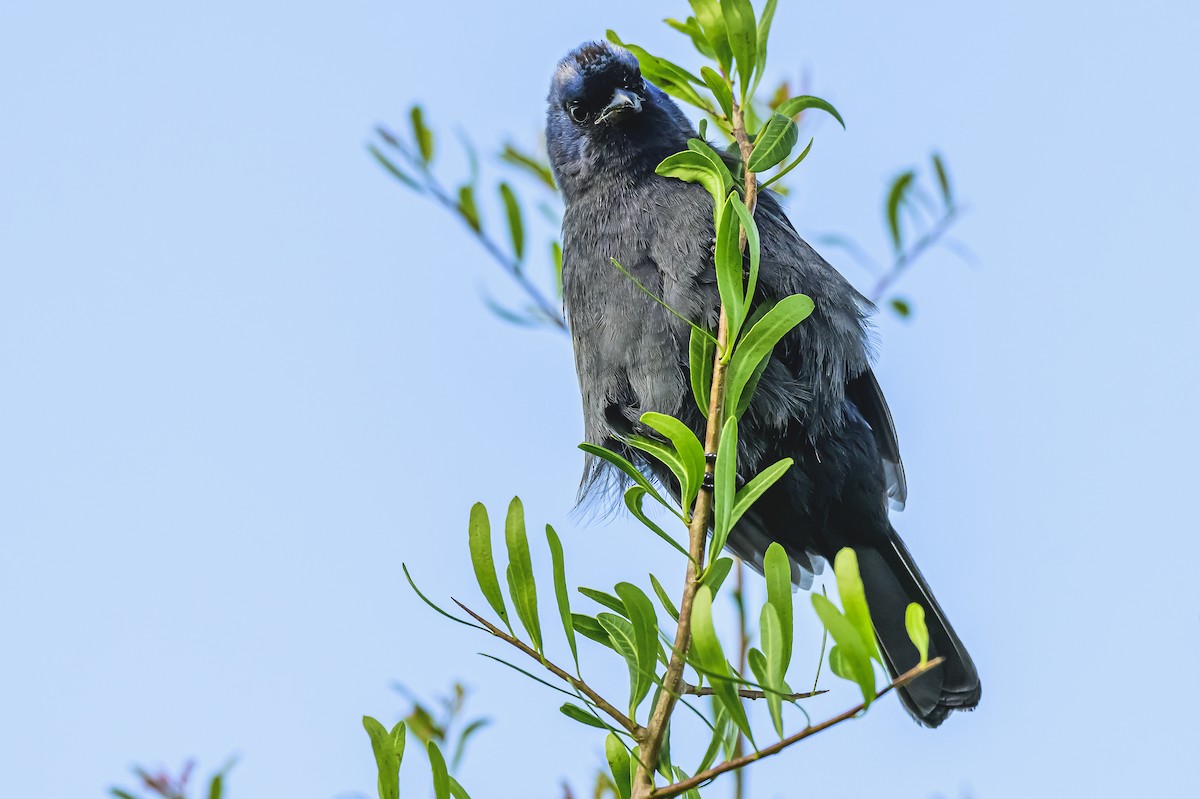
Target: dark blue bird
{"type": "Point", "coordinates": [818, 402]}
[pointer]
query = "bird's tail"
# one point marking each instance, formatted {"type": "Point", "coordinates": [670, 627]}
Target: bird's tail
{"type": "Point", "coordinates": [892, 580]}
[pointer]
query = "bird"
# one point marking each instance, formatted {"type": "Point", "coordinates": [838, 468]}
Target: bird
{"type": "Point", "coordinates": [817, 402]}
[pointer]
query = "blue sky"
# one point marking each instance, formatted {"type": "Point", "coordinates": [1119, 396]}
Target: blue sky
{"type": "Point", "coordinates": [246, 376]}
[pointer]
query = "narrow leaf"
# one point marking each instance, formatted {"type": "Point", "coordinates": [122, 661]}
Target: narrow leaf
{"type": "Point", "coordinates": [724, 487]}
{"type": "Point", "coordinates": [633, 501]}
{"type": "Point", "coordinates": [624, 640]}
{"type": "Point", "coordinates": [897, 196]}
{"type": "Point", "coordinates": [773, 143]}
{"type": "Point", "coordinates": [590, 628]}
{"type": "Point", "coordinates": [560, 591]}
{"type": "Point", "coordinates": [712, 22]}
{"type": "Point", "coordinates": [701, 350]}
{"type": "Point", "coordinates": [918, 633]}
{"type": "Point", "coordinates": [714, 576]}
{"type": "Point", "coordinates": [710, 655]}
{"type": "Point", "coordinates": [720, 89]}
{"type": "Point", "coordinates": [391, 167]}
{"type": "Point", "coordinates": [764, 33]}
{"type": "Point", "coordinates": [480, 537]}
{"type": "Point", "coordinates": [939, 166]}
{"type": "Point", "coordinates": [387, 757]}
{"type": "Point", "coordinates": [604, 598]}
{"type": "Point", "coordinates": [627, 468]}
{"type": "Point", "coordinates": [794, 105]}
{"type": "Point", "coordinates": [645, 631]}
{"type": "Point", "coordinates": [577, 713]}
{"type": "Point", "coordinates": [618, 764]}
{"type": "Point", "coordinates": [761, 340]}
{"type": "Point", "coordinates": [467, 207]}
{"type": "Point", "coordinates": [521, 583]}
{"type": "Point", "coordinates": [691, 29]}
{"type": "Point", "coordinates": [853, 662]}
{"type": "Point", "coordinates": [534, 166]}
{"type": "Point", "coordinates": [771, 629]}
{"type": "Point", "coordinates": [687, 446]}
{"type": "Point", "coordinates": [777, 568]}
{"type": "Point", "coordinates": [743, 39]}
{"type": "Point", "coordinates": [758, 486]}
{"type": "Point", "coordinates": [441, 777]}
{"type": "Point", "coordinates": [854, 599]}
{"type": "Point", "coordinates": [516, 228]}
{"type": "Point", "coordinates": [664, 598]}
{"type": "Point", "coordinates": [421, 134]}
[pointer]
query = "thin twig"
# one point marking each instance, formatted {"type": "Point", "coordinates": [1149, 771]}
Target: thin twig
{"type": "Point", "coordinates": [508, 264]}
{"type": "Point", "coordinates": [630, 726]}
{"type": "Point", "coordinates": [741, 762]}
{"type": "Point", "coordinates": [906, 258]}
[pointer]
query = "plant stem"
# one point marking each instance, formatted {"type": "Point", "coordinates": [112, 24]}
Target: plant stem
{"type": "Point", "coordinates": [745, 760]}
{"type": "Point", "coordinates": [656, 729]}
{"type": "Point", "coordinates": [630, 726]}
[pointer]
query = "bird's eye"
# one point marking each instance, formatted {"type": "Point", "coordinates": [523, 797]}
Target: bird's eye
{"type": "Point", "coordinates": [577, 113]}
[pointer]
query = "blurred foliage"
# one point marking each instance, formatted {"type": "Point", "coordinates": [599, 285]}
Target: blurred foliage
{"type": "Point", "coordinates": [161, 784]}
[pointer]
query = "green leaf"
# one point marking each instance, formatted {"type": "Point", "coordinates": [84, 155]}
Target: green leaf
{"type": "Point", "coordinates": [120, 794]}
{"type": "Point", "coordinates": [556, 257]}
{"type": "Point", "coordinates": [216, 786]}
{"type": "Point", "coordinates": [389, 752]}
{"type": "Point", "coordinates": [939, 167]}
{"type": "Point", "coordinates": [441, 777]}
{"type": "Point", "coordinates": [719, 166]}
{"type": "Point", "coordinates": [728, 261]}
{"type": "Point", "coordinates": [724, 487]}
{"type": "Point", "coordinates": [633, 500]}
{"type": "Point", "coordinates": [720, 89]}
{"type": "Point", "coordinates": [794, 105]}
{"type": "Point", "coordinates": [457, 791]}
{"type": "Point", "coordinates": [396, 171]}
{"type": "Point", "coordinates": [467, 207]}
{"type": "Point", "coordinates": [693, 167]}
{"type": "Point", "coordinates": [618, 763]}
{"type": "Point", "coordinates": [742, 31]}
{"type": "Point", "coordinates": [606, 599]}
{"type": "Point", "coordinates": [773, 143]}
{"type": "Point", "coordinates": [666, 455]}
{"type": "Point", "coordinates": [754, 249]}
{"type": "Point", "coordinates": [421, 134]}
{"type": "Point", "coordinates": [902, 307]}
{"type": "Point", "coordinates": [687, 446]}
{"type": "Point", "coordinates": [664, 598]}
{"type": "Point", "coordinates": [533, 166]}
{"type": "Point", "coordinates": [576, 713]}
{"type": "Point", "coordinates": [560, 591]}
{"type": "Point", "coordinates": [655, 297]}
{"type": "Point", "coordinates": [426, 600]}
{"type": "Point", "coordinates": [771, 629]}
{"type": "Point", "coordinates": [715, 574]}
{"type": "Point", "coordinates": [897, 196]}
{"type": "Point", "coordinates": [761, 340]}
{"type": "Point", "coordinates": [792, 165]}
{"type": "Point", "coordinates": [624, 640]}
{"type": "Point", "coordinates": [480, 536]}
{"type": "Point", "coordinates": [712, 22]}
{"type": "Point", "coordinates": [590, 628]}
{"type": "Point", "coordinates": [461, 747]}
{"type": "Point", "coordinates": [668, 76]}
{"type": "Point", "coordinates": [701, 350]}
{"type": "Point", "coordinates": [758, 486]}
{"type": "Point", "coordinates": [854, 662]}
{"type": "Point", "coordinates": [628, 469]}
{"type": "Point", "coordinates": [516, 229]}
{"type": "Point", "coordinates": [645, 633]}
{"type": "Point", "coordinates": [854, 599]}
{"type": "Point", "coordinates": [709, 654]}
{"type": "Point", "coordinates": [691, 29]}
{"type": "Point", "coordinates": [521, 585]}
{"type": "Point", "coordinates": [764, 33]}
{"type": "Point", "coordinates": [918, 633]}
{"type": "Point", "coordinates": [720, 725]}
{"type": "Point", "coordinates": [777, 568]}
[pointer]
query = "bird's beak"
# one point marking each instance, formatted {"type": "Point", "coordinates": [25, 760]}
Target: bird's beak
{"type": "Point", "coordinates": [623, 102]}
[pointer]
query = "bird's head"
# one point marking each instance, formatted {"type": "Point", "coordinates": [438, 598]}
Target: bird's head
{"type": "Point", "coordinates": [604, 117]}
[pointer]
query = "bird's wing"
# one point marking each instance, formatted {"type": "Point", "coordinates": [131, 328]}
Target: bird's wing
{"type": "Point", "coordinates": [867, 396]}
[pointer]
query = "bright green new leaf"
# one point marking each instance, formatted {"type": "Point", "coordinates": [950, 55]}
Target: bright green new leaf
{"type": "Point", "coordinates": [691, 29]}
{"type": "Point", "coordinates": [719, 166]}
{"type": "Point", "coordinates": [389, 752]}
{"type": "Point", "coordinates": [556, 257]}
{"type": "Point", "coordinates": [720, 89]}
{"type": "Point", "coordinates": [516, 228]}
{"type": "Point", "coordinates": [724, 487]}
{"type": "Point", "coordinates": [918, 633]}
{"type": "Point", "coordinates": [701, 350]}
{"type": "Point", "coordinates": [771, 630]}
{"type": "Point", "coordinates": [606, 599]}
{"type": "Point", "coordinates": [707, 650]}
{"type": "Point", "coordinates": [777, 568]}
{"type": "Point", "coordinates": [560, 591]}
{"type": "Point", "coordinates": [391, 167]}
{"type": "Point", "coordinates": [645, 630]}
{"type": "Point", "coordinates": [666, 455]}
{"type": "Point", "coordinates": [854, 658]}
{"type": "Point", "coordinates": [715, 574]}
{"type": "Point", "coordinates": [758, 486]}
{"type": "Point", "coordinates": [521, 585]}
{"type": "Point", "coordinates": [422, 134]}
{"type": "Point", "coordinates": [761, 339]}
{"type": "Point", "coordinates": [694, 167]}
{"type": "Point", "coordinates": [854, 598]}
{"type": "Point", "coordinates": [480, 534]}
{"type": "Point", "coordinates": [712, 22]}
{"type": "Point", "coordinates": [742, 31]}
{"type": "Point", "coordinates": [794, 105]}
{"type": "Point", "coordinates": [633, 501]}
{"type": "Point", "coordinates": [624, 640]}
{"type": "Point", "coordinates": [687, 446]}
{"type": "Point", "coordinates": [897, 196]}
{"type": "Point", "coordinates": [467, 207]}
{"type": "Point", "coordinates": [664, 598]}
{"type": "Point", "coordinates": [576, 713]}
{"type": "Point", "coordinates": [773, 143]}
{"type": "Point", "coordinates": [618, 764]}
{"type": "Point", "coordinates": [441, 776]}
{"type": "Point", "coordinates": [764, 33]}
